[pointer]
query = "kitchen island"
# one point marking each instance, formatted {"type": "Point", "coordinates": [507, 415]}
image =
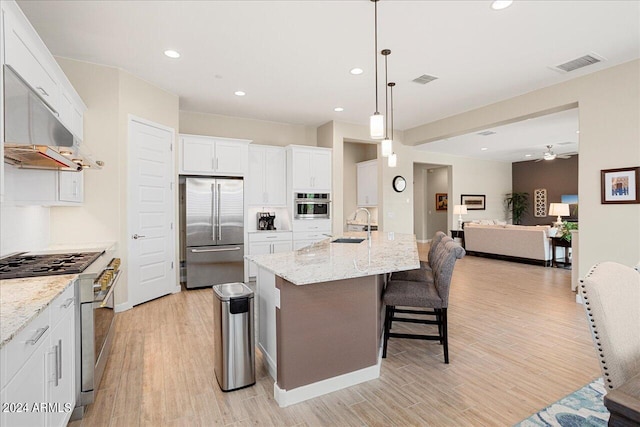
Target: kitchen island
{"type": "Point", "coordinates": [320, 311]}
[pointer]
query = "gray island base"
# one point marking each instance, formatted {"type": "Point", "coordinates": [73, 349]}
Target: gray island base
{"type": "Point", "coordinates": [320, 312]}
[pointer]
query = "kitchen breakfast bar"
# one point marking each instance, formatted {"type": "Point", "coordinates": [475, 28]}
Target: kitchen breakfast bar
{"type": "Point", "coordinates": [320, 311]}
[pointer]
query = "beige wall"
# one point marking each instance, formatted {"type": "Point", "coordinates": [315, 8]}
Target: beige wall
{"type": "Point", "coordinates": [111, 95]}
{"type": "Point", "coordinates": [609, 114]}
{"type": "Point", "coordinates": [259, 131]}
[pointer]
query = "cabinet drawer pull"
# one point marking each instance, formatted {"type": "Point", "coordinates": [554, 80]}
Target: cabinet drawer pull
{"type": "Point", "coordinates": [67, 303]}
{"type": "Point", "coordinates": [39, 333]}
{"type": "Point", "coordinates": [271, 237]}
{"type": "Point", "coordinates": [59, 359]}
{"type": "Point", "coordinates": [41, 89]}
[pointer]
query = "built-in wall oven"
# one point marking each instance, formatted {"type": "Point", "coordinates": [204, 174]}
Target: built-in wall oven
{"type": "Point", "coordinates": [311, 206]}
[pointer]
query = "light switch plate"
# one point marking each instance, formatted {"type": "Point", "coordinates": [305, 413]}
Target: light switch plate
{"type": "Point", "coordinates": [277, 298]}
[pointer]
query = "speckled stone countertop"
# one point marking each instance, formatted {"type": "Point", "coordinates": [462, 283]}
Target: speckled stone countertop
{"type": "Point", "coordinates": [326, 261]}
{"type": "Point", "coordinates": [21, 300]}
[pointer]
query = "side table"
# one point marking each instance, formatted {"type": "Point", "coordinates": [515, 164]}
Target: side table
{"type": "Point", "coordinates": [560, 243]}
{"type": "Point", "coordinates": [458, 234]}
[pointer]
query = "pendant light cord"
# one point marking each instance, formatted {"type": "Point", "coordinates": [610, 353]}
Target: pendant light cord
{"type": "Point", "coordinates": [391, 85]}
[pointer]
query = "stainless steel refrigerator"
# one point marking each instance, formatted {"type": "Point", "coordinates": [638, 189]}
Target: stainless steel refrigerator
{"type": "Point", "coordinates": [214, 231]}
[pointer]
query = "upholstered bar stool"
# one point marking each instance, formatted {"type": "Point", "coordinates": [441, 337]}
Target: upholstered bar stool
{"type": "Point", "coordinates": [431, 294]}
{"type": "Point", "coordinates": [419, 274]}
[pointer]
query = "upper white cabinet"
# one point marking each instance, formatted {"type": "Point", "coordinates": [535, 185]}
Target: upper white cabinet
{"type": "Point", "coordinates": [44, 187]}
{"type": "Point", "coordinates": [310, 168]}
{"type": "Point", "coordinates": [29, 57]}
{"type": "Point", "coordinates": [204, 155]}
{"type": "Point", "coordinates": [367, 187]}
{"type": "Point", "coordinates": [25, 55]}
{"type": "Point", "coordinates": [266, 179]}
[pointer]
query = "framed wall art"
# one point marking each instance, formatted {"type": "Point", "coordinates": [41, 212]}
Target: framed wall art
{"type": "Point", "coordinates": [619, 186]}
{"type": "Point", "coordinates": [441, 201]}
{"type": "Point", "coordinates": [474, 202]}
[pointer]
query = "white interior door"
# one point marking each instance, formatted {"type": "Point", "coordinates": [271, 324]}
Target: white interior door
{"type": "Point", "coordinates": [151, 211]}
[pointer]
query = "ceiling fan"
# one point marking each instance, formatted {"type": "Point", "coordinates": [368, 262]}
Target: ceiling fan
{"type": "Point", "coordinates": [551, 155]}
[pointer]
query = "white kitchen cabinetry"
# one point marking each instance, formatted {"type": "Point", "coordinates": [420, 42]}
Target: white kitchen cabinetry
{"type": "Point", "coordinates": [71, 186]}
{"type": "Point", "coordinates": [29, 57]}
{"type": "Point", "coordinates": [204, 155]}
{"type": "Point", "coordinates": [45, 187]}
{"type": "Point", "coordinates": [310, 168]}
{"type": "Point", "coordinates": [267, 178]}
{"type": "Point", "coordinates": [38, 367]}
{"type": "Point", "coordinates": [367, 183]}
{"type": "Point", "coordinates": [268, 243]}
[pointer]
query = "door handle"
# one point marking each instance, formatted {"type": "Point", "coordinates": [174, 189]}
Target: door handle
{"type": "Point", "coordinates": [137, 236]}
{"type": "Point", "coordinates": [199, 251]}
{"type": "Point", "coordinates": [55, 362]}
{"type": "Point", "coordinates": [219, 222]}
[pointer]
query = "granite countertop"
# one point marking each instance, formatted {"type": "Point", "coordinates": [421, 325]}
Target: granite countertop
{"type": "Point", "coordinates": [326, 261]}
{"type": "Point", "coordinates": [21, 300]}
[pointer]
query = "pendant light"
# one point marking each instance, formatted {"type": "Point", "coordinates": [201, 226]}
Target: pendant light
{"type": "Point", "coordinates": [393, 159]}
{"type": "Point", "coordinates": [387, 143]}
{"type": "Point", "coordinates": [376, 121]}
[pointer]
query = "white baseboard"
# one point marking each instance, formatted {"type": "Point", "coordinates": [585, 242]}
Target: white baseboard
{"type": "Point", "coordinates": [423, 241]}
{"type": "Point", "coordinates": [309, 391]}
{"type": "Point", "coordinates": [269, 363]}
{"type": "Point", "coordinates": [123, 307]}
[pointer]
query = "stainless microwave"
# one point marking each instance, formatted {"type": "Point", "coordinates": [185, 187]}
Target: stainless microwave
{"type": "Point", "coordinates": [311, 206]}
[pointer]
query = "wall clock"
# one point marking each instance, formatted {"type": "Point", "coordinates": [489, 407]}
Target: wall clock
{"type": "Point", "coordinates": [399, 184]}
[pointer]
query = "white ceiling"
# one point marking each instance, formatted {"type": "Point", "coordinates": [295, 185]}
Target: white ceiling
{"type": "Point", "coordinates": [292, 58]}
{"type": "Point", "coordinates": [512, 142]}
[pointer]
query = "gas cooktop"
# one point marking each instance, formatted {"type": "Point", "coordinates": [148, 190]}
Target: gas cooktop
{"type": "Point", "coordinates": [26, 265]}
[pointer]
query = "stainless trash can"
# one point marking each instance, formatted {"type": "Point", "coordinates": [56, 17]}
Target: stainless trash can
{"type": "Point", "coordinates": [233, 336]}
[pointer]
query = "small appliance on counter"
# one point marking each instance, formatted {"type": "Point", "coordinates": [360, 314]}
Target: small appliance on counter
{"type": "Point", "coordinates": [266, 221]}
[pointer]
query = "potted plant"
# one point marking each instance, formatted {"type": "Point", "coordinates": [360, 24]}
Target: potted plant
{"type": "Point", "coordinates": [517, 204]}
{"type": "Point", "coordinates": [564, 231]}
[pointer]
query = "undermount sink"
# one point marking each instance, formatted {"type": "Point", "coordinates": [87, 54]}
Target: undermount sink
{"type": "Point", "coordinates": [347, 240]}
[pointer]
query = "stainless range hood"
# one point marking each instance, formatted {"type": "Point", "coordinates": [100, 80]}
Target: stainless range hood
{"type": "Point", "coordinates": [34, 137]}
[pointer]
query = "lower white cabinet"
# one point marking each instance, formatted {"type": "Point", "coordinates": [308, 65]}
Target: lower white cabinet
{"type": "Point", "coordinates": [268, 243]}
{"type": "Point", "coordinates": [38, 368]}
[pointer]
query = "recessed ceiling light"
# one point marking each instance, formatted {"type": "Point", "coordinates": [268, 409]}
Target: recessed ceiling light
{"type": "Point", "coordinates": [484, 149]}
{"type": "Point", "coordinates": [239, 93]}
{"type": "Point", "coordinates": [338, 109]}
{"type": "Point", "coordinates": [501, 4]}
{"type": "Point", "coordinates": [527, 155]}
{"type": "Point", "coordinates": [356, 71]}
{"type": "Point", "coordinates": [172, 54]}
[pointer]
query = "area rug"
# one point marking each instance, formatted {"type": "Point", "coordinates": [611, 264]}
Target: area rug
{"type": "Point", "coordinates": [581, 408]}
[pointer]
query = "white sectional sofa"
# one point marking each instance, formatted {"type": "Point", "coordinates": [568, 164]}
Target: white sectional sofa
{"type": "Point", "coordinates": [517, 242]}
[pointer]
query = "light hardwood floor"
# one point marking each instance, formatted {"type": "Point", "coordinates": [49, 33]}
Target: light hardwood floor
{"type": "Point", "coordinates": [518, 342]}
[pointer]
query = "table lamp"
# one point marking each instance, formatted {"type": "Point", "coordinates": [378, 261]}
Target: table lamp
{"type": "Point", "coordinates": [559, 209]}
{"type": "Point", "coordinates": [460, 210]}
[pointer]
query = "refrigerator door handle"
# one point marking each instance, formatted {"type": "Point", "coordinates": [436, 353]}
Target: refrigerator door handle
{"type": "Point", "coordinates": [218, 219]}
{"type": "Point", "coordinates": [197, 251]}
{"type": "Point", "coordinates": [214, 214]}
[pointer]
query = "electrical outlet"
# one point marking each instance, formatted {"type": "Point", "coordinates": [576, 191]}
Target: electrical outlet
{"type": "Point", "coordinates": [391, 214]}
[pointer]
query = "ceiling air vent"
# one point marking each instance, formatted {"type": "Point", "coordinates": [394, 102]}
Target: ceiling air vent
{"type": "Point", "coordinates": [578, 63]}
{"type": "Point", "coordinates": [424, 79]}
{"type": "Point", "coordinates": [486, 133]}
{"type": "Point", "coordinates": [565, 143]}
